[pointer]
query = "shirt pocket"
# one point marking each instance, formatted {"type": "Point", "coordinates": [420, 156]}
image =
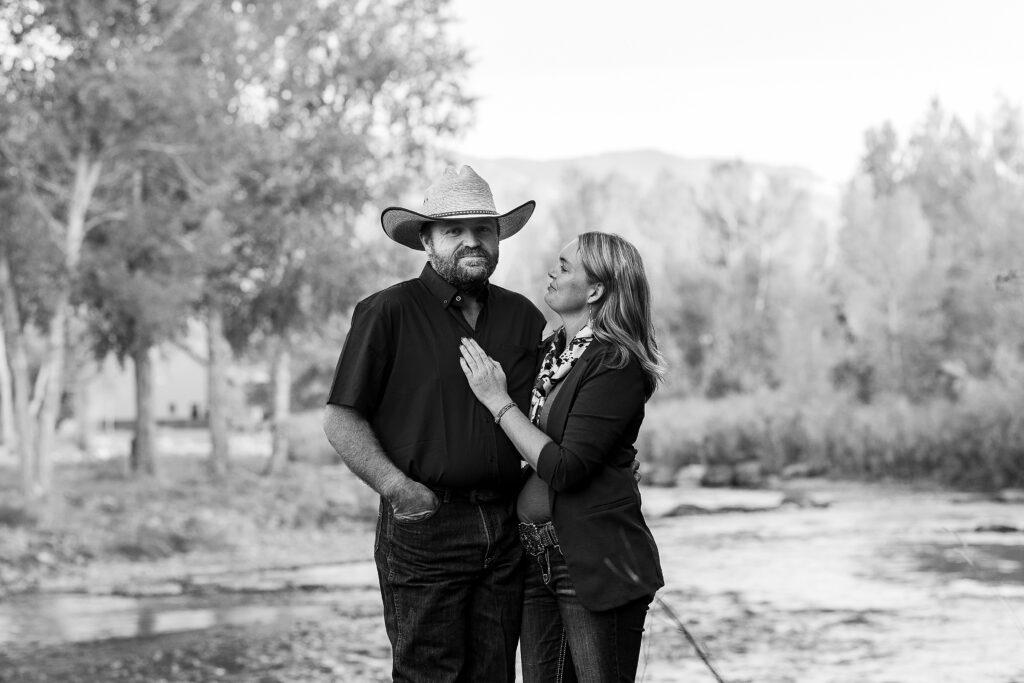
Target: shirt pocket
{"type": "Point", "coordinates": [518, 364]}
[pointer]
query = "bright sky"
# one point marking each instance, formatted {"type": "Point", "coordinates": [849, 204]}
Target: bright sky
{"type": "Point", "coordinates": [777, 81]}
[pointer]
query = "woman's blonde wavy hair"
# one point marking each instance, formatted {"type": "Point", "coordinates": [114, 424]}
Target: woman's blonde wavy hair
{"type": "Point", "coordinates": [622, 317]}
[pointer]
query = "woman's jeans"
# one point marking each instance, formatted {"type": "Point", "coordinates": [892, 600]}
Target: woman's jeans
{"type": "Point", "coordinates": [452, 586]}
{"type": "Point", "coordinates": [564, 641]}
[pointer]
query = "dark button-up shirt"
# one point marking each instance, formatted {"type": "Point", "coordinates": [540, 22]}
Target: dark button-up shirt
{"type": "Point", "coordinates": [400, 368]}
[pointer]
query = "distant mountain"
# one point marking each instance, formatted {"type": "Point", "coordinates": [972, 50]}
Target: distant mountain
{"type": "Point", "coordinates": [517, 180]}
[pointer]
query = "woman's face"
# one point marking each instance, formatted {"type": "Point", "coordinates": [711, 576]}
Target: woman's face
{"type": "Point", "coordinates": [569, 289]}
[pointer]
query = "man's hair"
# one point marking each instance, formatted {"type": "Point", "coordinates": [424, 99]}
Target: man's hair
{"type": "Point", "coordinates": [622, 317]}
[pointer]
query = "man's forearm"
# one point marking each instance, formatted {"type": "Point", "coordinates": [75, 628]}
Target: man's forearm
{"type": "Point", "coordinates": [354, 440]}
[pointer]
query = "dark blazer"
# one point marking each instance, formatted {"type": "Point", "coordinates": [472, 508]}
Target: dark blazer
{"type": "Point", "coordinates": [595, 501]}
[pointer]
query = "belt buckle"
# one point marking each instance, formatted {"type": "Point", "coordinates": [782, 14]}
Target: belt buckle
{"type": "Point", "coordinates": [483, 496]}
{"type": "Point", "coordinates": [536, 538]}
{"type": "Point", "coordinates": [530, 538]}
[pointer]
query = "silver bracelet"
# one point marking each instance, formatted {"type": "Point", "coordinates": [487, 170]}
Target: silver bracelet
{"type": "Point", "coordinates": [508, 406]}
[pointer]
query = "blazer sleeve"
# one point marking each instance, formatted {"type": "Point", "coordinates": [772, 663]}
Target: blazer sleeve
{"type": "Point", "coordinates": [604, 406]}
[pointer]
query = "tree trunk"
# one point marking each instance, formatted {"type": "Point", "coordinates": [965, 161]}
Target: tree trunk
{"type": "Point", "coordinates": [17, 360]}
{"type": "Point", "coordinates": [218, 356]}
{"type": "Point", "coordinates": [893, 332]}
{"type": "Point", "coordinates": [49, 396]}
{"type": "Point", "coordinates": [281, 372]}
{"type": "Point", "coordinates": [764, 257]}
{"type": "Point", "coordinates": [8, 434]}
{"type": "Point", "coordinates": [143, 453]}
{"type": "Point", "coordinates": [87, 172]}
{"type": "Point", "coordinates": [83, 411]}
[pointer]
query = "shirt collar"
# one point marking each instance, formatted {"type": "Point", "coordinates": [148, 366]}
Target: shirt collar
{"type": "Point", "coordinates": [444, 291]}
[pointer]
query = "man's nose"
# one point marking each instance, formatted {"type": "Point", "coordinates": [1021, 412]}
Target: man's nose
{"type": "Point", "coordinates": [470, 239]}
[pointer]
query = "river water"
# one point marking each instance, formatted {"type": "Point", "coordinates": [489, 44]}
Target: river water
{"type": "Point", "coordinates": [884, 585]}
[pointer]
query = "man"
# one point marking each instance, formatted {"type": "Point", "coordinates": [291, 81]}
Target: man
{"type": "Point", "coordinates": [403, 418]}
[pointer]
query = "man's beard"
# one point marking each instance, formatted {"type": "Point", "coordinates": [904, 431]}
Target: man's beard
{"type": "Point", "coordinates": [466, 280]}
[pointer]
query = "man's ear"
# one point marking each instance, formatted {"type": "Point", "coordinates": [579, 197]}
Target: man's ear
{"type": "Point", "coordinates": [596, 293]}
{"type": "Point", "coordinates": [425, 237]}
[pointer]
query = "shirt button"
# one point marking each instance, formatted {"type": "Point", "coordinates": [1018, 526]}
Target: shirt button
{"type": "Point", "coordinates": [445, 301]}
{"type": "Point", "coordinates": [458, 298]}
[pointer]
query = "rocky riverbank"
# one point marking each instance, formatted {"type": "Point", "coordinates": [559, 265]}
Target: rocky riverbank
{"type": "Point", "coordinates": [869, 583]}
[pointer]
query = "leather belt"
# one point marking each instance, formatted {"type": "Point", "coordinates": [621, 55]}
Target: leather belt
{"type": "Point", "coordinates": [475, 496]}
{"type": "Point", "coordinates": [536, 538]}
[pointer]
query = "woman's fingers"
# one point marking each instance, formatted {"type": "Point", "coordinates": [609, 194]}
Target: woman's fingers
{"type": "Point", "coordinates": [472, 352]}
{"type": "Point", "coordinates": [468, 360]}
{"type": "Point", "coordinates": [477, 353]}
{"type": "Point", "coordinates": [473, 349]}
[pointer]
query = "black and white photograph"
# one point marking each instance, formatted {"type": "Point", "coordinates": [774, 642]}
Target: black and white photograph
{"type": "Point", "coordinates": [450, 341]}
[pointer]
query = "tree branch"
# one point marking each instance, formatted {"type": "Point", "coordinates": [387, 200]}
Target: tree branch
{"type": "Point", "coordinates": [174, 153]}
{"type": "Point", "coordinates": [185, 10]}
{"type": "Point", "coordinates": [39, 390]}
{"type": "Point", "coordinates": [117, 215]}
{"type": "Point", "coordinates": [190, 352]}
{"type": "Point", "coordinates": [33, 195]}
{"type": "Point", "coordinates": [201, 359]}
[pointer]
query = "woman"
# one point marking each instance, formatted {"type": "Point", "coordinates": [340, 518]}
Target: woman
{"type": "Point", "coordinates": [594, 567]}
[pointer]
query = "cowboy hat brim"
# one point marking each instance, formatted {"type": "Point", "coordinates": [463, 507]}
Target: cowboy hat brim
{"type": "Point", "coordinates": [403, 225]}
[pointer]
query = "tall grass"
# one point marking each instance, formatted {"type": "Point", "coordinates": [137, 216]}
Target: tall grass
{"type": "Point", "coordinates": [975, 442]}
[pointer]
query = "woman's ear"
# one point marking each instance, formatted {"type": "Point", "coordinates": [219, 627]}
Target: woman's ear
{"type": "Point", "coordinates": [596, 293]}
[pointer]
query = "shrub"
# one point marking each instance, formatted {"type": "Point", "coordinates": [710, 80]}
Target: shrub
{"type": "Point", "coordinates": [976, 442]}
{"type": "Point", "coordinates": [15, 515]}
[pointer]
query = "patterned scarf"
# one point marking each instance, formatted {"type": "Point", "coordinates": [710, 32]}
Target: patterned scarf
{"type": "Point", "coordinates": [555, 367]}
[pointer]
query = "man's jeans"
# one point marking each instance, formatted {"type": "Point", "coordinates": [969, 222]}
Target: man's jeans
{"type": "Point", "coordinates": [564, 641]}
{"type": "Point", "coordinates": [452, 587]}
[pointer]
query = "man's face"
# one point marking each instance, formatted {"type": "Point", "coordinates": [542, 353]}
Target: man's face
{"type": "Point", "coordinates": [464, 252]}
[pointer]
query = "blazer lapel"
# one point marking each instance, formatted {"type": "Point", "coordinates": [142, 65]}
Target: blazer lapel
{"type": "Point", "coordinates": [567, 392]}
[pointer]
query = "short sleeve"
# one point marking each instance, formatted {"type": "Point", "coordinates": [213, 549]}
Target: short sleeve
{"type": "Point", "coordinates": [365, 361]}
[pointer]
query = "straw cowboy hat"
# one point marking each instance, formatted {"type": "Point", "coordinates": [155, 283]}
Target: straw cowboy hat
{"type": "Point", "coordinates": [457, 195]}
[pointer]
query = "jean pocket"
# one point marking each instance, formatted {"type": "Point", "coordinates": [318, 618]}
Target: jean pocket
{"type": "Point", "coordinates": [380, 524]}
{"type": "Point", "coordinates": [417, 518]}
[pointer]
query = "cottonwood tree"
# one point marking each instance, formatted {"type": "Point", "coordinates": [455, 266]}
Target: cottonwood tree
{"type": "Point", "coordinates": [29, 270]}
{"type": "Point", "coordinates": [346, 102]}
{"type": "Point", "coordinates": [106, 97]}
{"type": "Point", "coordinates": [942, 222]}
{"type": "Point", "coordinates": [891, 284]}
{"type": "Point", "coordinates": [139, 280]}
{"type": "Point", "coordinates": [749, 217]}
{"type": "Point", "coordinates": [970, 188]}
